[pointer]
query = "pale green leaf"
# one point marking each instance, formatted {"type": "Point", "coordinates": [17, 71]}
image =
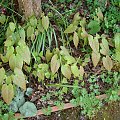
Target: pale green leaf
{"type": "Point", "coordinates": [30, 31]}
{"type": "Point", "coordinates": [70, 59]}
{"type": "Point", "coordinates": [64, 51]}
{"type": "Point", "coordinates": [2, 75]}
{"type": "Point", "coordinates": [15, 61]}
{"type": "Point", "coordinates": [75, 39]}
{"type": "Point", "coordinates": [117, 41]}
{"type": "Point", "coordinates": [7, 93]}
{"type": "Point", "coordinates": [12, 26]}
{"type": "Point", "coordinates": [104, 47]}
{"type": "Point", "coordinates": [70, 29]}
{"type": "Point", "coordinates": [55, 64]}
{"type": "Point", "coordinates": [2, 18]}
{"type": "Point", "coordinates": [95, 58]}
{"type": "Point", "coordinates": [45, 22]}
{"type": "Point", "coordinates": [99, 14]}
{"type": "Point", "coordinates": [75, 70]}
{"type": "Point", "coordinates": [66, 71]}
{"type": "Point", "coordinates": [107, 63]}
{"type": "Point", "coordinates": [48, 55]}
{"type": "Point", "coordinates": [19, 78]}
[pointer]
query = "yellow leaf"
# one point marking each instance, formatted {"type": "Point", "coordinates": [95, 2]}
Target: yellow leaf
{"type": "Point", "coordinates": [75, 39]}
{"type": "Point", "coordinates": [108, 63]}
{"type": "Point", "coordinates": [7, 93]}
{"type": "Point", "coordinates": [82, 71]}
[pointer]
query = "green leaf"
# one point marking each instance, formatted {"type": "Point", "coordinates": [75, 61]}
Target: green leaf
{"type": "Point", "coordinates": [2, 75]}
{"type": "Point", "coordinates": [117, 41]}
{"type": "Point", "coordinates": [75, 70]}
{"type": "Point", "coordinates": [48, 55]}
{"type": "Point", "coordinates": [65, 89]}
{"type": "Point", "coordinates": [7, 93]}
{"type": "Point", "coordinates": [66, 71]}
{"type": "Point", "coordinates": [15, 61]}
{"type": "Point", "coordinates": [70, 29]}
{"type": "Point", "coordinates": [94, 26]}
{"type": "Point", "coordinates": [99, 14]}
{"type": "Point", "coordinates": [70, 59]}
{"type": "Point", "coordinates": [107, 63]}
{"type": "Point", "coordinates": [45, 22]}
{"type": "Point", "coordinates": [104, 47]}
{"type": "Point", "coordinates": [33, 22]}
{"type": "Point", "coordinates": [22, 34]}
{"type": "Point", "coordinates": [12, 26]}
{"type": "Point", "coordinates": [39, 26]}
{"type": "Point", "coordinates": [30, 31]}
{"type": "Point", "coordinates": [95, 58]}
{"type": "Point", "coordinates": [75, 39]}
{"type": "Point", "coordinates": [40, 75]}
{"type": "Point", "coordinates": [28, 109]}
{"type": "Point", "coordinates": [24, 52]}
{"type": "Point", "coordinates": [2, 19]}
{"type": "Point", "coordinates": [64, 51]}
{"type": "Point", "coordinates": [19, 78]}
{"type": "Point", "coordinates": [55, 64]}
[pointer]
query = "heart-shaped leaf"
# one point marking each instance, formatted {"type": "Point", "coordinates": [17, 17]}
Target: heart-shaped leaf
{"type": "Point", "coordinates": [15, 61]}
{"type": "Point", "coordinates": [28, 109]}
{"type": "Point", "coordinates": [70, 29]}
{"type": "Point", "coordinates": [2, 75]}
{"type": "Point", "coordinates": [94, 44]}
{"type": "Point", "coordinates": [95, 58]}
{"type": "Point", "coordinates": [104, 47]}
{"type": "Point", "coordinates": [75, 70]}
{"type": "Point", "coordinates": [107, 62]}
{"type": "Point", "coordinates": [19, 78]}
{"type": "Point", "coordinates": [55, 64]}
{"type": "Point", "coordinates": [75, 39]}
{"type": "Point", "coordinates": [66, 71]}
{"type": "Point", "coordinates": [45, 22]}
{"type": "Point", "coordinates": [7, 93]}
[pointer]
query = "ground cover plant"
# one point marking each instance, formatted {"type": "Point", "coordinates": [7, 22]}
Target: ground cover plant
{"type": "Point", "coordinates": [69, 53]}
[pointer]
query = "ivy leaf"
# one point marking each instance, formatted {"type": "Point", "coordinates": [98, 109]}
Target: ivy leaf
{"type": "Point", "coordinates": [45, 22]}
{"type": "Point", "coordinates": [75, 39]}
{"type": "Point", "coordinates": [19, 78]}
{"type": "Point", "coordinates": [94, 44]}
{"type": "Point", "coordinates": [70, 59]}
{"type": "Point", "coordinates": [55, 64]}
{"type": "Point", "coordinates": [65, 69]}
{"type": "Point", "coordinates": [12, 26]}
{"type": "Point", "coordinates": [28, 109]}
{"type": "Point", "coordinates": [2, 75]}
{"type": "Point", "coordinates": [15, 61]}
{"type": "Point", "coordinates": [70, 29]}
{"type": "Point", "coordinates": [75, 70]}
{"type": "Point", "coordinates": [2, 19]}
{"type": "Point", "coordinates": [104, 47]}
{"type": "Point", "coordinates": [30, 31]}
{"type": "Point", "coordinates": [7, 93]}
{"type": "Point", "coordinates": [95, 58]}
{"type": "Point", "coordinates": [107, 63]}
{"type": "Point", "coordinates": [24, 52]}
{"type": "Point", "coordinates": [94, 26]}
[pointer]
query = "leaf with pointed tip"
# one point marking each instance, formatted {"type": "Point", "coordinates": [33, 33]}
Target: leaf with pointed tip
{"type": "Point", "coordinates": [19, 78]}
{"type": "Point", "coordinates": [70, 29]}
{"type": "Point", "coordinates": [24, 52]}
{"type": "Point", "coordinates": [107, 63]}
{"type": "Point", "coordinates": [30, 31]}
{"type": "Point", "coordinates": [15, 61]}
{"type": "Point", "coordinates": [55, 64]}
{"type": "Point", "coordinates": [75, 70]}
{"type": "Point", "coordinates": [70, 59]}
{"type": "Point", "coordinates": [64, 51]}
{"type": "Point", "coordinates": [117, 40]}
{"type": "Point", "coordinates": [75, 39]}
{"type": "Point", "coordinates": [2, 75]}
{"type": "Point", "coordinates": [48, 55]}
{"type": "Point", "coordinates": [94, 44]}
{"type": "Point", "coordinates": [65, 69]}
{"type": "Point", "coordinates": [7, 93]}
{"type": "Point", "coordinates": [100, 14]}
{"type": "Point", "coordinates": [82, 71]}
{"type": "Point", "coordinates": [45, 22]}
{"type": "Point", "coordinates": [2, 18]}
{"type": "Point", "coordinates": [12, 26]}
{"type": "Point", "coordinates": [95, 58]}
{"type": "Point", "coordinates": [104, 47]}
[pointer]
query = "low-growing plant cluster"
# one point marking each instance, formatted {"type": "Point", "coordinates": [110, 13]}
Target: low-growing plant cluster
{"type": "Point", "coordinates": [74, 62]}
